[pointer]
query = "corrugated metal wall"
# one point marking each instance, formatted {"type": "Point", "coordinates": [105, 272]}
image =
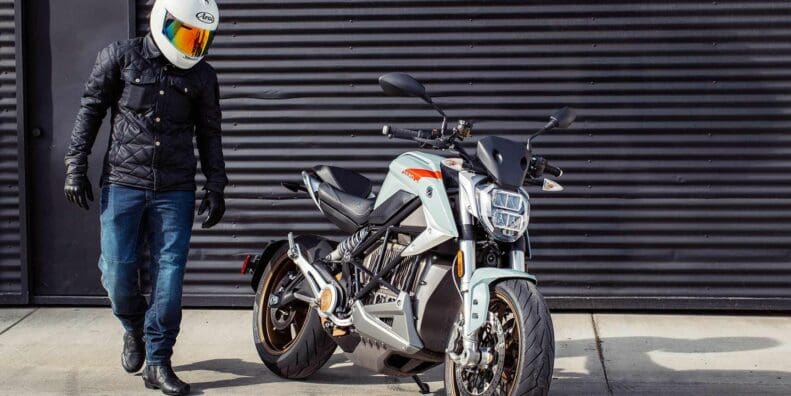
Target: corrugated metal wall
{"type": "Point", "coordinates": [11, 287]}
{"type": "Point", "coordinates": [677, 179]}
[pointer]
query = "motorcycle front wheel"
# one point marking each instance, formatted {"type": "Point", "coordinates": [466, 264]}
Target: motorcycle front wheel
{"type": "Point", "coordinates": [290, 339]}
{"type": "Point", "coordinates": [519, 333]}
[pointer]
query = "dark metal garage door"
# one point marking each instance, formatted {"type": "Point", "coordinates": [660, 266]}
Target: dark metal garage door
{"type": "Point", "coordinates": [13, 275]}
{"type": "Point", "coordinates": [677, 172]}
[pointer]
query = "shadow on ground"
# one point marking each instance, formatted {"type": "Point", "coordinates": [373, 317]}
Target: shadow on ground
{"type": "Point", "coordinates": [633, 351]}
{"type": "Point", "coordinates": [338, 370]}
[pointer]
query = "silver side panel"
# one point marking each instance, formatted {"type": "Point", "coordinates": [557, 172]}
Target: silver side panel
{"type": "Point", "coordinates": [401, 336]}
{"type": "Point", "coordinates": [431, 237]}
{"type": "Point", "coordinates": [467, 183]}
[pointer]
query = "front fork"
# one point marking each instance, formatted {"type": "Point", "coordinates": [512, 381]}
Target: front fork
{"type": "Point", "coordinates": [470, 354]}
{"type": "Point", "coordinates": [474, 288]}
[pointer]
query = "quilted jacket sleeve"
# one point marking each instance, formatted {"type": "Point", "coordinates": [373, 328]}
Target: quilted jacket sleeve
{"type": "Point", "coordinates": [101, 91]}
{"type": "Point", "coordinates": [208, 135]}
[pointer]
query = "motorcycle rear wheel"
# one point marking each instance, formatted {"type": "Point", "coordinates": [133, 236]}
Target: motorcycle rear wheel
{"type": "Point", "coordinates": [290, 340]}
{"type": "Point", "coordinates": [524, 364]}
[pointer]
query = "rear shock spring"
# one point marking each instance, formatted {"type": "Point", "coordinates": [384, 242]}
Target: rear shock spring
{"type": "Point", "coordinates": [348, 245]}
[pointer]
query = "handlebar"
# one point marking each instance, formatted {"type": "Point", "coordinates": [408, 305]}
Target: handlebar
{"type": "Point", "coordinates": [406, 134]}
{"type": "Point", "coordinates": [553, 170]}
{"type": "Point", "coordinates": [540, 166]}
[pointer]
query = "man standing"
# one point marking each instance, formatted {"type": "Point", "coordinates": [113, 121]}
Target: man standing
{"type": "Point", "coordinates": [161, 95]}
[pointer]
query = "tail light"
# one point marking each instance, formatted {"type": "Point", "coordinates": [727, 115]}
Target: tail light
{"type": "Point", "coordinates": [246, 264]}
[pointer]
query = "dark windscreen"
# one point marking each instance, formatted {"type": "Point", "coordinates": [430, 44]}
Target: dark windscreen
{"type": "Point", "coordinates": [505, 160]}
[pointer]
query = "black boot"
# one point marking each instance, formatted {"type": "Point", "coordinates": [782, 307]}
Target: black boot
{"type": "Point", "coordinates": [163, 378]}
{"type": "Point", "coordinates": [134, 354]}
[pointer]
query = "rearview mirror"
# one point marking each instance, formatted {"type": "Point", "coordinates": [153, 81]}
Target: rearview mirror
{"type": "Point", "coordinates": [401, 84]}
{"type": "Point", "coordinates": [563, 117]}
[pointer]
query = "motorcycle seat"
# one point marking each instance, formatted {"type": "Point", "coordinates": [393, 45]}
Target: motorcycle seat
{"type": "Point", "coordinates": [345, 180]}
{"type": "Point", "coordinates": [349, 212]}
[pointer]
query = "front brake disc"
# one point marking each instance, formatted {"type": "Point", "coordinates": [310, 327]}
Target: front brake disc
{"type": "Point", "coordinates": [484, 381]}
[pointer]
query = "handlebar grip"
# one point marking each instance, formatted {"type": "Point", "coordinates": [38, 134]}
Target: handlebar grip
{"type": "Point", "coordinates": [553, 170]}
{"type": "Point", "coordinates": [401, 133]}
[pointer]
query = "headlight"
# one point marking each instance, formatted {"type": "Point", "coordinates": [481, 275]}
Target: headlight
{"type": "Point", "coordinates": [504, 214]}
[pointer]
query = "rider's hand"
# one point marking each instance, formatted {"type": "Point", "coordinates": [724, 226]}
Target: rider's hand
{"type": "Point", "coordinates": [78, 190]}
{"type": "Point", "coordinates": [215, 203]}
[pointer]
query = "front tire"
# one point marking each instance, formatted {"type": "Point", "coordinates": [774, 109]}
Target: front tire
{"type": "Point", "coordinates": [524, 366]}
{"type": "Point", "coordinates": [290, 340]}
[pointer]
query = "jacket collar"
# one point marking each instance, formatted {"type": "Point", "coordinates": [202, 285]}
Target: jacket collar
{"type": "Point", "coordinates": [150, 49]}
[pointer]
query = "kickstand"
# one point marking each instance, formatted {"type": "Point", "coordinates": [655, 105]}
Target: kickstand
{"type": "Point", "coordinates": [424, 389]}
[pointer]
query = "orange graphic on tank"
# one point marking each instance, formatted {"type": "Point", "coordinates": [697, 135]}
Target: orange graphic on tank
{"type": "Point", "coordinates": [416, 173]}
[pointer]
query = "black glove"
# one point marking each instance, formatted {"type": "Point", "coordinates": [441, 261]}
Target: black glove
{"type": "Point", "coordinates": [215, 202]}
{"type": "Point", "coordinates": [77, 188]}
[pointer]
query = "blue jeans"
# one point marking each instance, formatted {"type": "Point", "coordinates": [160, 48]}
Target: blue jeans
{"type": "Point", "coordinates": [130, 216]}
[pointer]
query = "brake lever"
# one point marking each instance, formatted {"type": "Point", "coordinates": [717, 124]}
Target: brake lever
{"type": "Point", "coordinates": [439, 143]}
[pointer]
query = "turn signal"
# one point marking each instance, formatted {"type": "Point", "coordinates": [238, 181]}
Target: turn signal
{"type": "Point", "coordinates": [459, 264]}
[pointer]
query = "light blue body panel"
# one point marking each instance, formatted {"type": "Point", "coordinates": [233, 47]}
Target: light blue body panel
{"type": "Point", "coordinates": [420, 174]}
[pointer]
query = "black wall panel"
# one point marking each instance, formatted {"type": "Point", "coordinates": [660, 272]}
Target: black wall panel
{"type": "Point", "coordinates": [60, 51]}
{"type": "Point", "coordinates": [677, 179]}
{"type": "Point", "coordinates": [12, 288]}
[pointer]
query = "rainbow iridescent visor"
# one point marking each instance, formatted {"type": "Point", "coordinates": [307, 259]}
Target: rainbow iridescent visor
{"type": "Point", "coordinates": [190, 40]}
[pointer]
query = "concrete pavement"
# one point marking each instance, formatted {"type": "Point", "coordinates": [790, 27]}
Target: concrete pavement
{"type": "Point", "coordinates": [75, 351]}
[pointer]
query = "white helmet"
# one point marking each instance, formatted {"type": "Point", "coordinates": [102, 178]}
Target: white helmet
{"type": "Point", "coordinates": [184, 29]}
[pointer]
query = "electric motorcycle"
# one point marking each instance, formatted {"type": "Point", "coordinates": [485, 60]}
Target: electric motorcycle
{"type": "Point", "coordinates": [432, 271]}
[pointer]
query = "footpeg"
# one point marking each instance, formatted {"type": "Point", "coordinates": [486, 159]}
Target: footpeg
{"type": "Point", "coordinates": [293, 248]}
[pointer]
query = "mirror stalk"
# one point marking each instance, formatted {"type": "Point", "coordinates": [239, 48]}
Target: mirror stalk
{"type": "Point", "coordinates": [549, 126]}
{"type": "Point", "coordinates": [561, 119]}
{"type": "Point", "coordinates": [431, 103]}
{"type": "Point", "coordinates": [434, 105]}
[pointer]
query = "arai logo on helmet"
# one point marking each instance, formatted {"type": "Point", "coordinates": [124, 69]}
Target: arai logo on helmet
{"type": "Point", "coordinates": [205, 17]}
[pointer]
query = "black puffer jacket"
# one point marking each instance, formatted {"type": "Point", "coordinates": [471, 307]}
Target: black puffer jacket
{"type": "Point", "coordinates": [157, 109]}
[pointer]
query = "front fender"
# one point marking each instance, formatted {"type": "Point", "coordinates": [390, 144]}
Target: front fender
{"type": "Point", "coordinates": [476, 313]}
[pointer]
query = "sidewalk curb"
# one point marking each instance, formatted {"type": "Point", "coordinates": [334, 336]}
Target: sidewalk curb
{"type": "Point", "coordinates": [600, 352]}
{"type": "Point", "coordinates": [11, 326]}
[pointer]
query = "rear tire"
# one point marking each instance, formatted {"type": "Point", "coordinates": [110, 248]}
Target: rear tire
{"type": "Point", "coordinates": [530, 326]}
{"type": "Point", "coordinates": [290, 341]}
